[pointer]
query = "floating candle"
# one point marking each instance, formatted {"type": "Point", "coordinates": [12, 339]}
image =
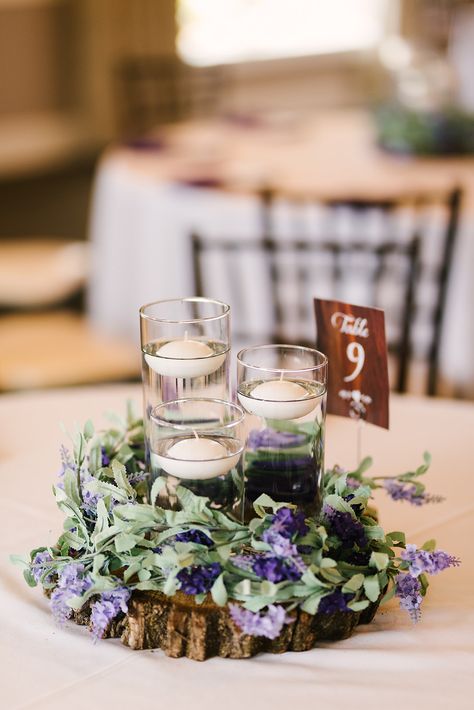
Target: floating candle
{"type": "Point", "coordinates": [196, 458]}
{"type": "Point", "coordinates": [185, 358]}
{"type": "Point", "coordinates": [278, 399]}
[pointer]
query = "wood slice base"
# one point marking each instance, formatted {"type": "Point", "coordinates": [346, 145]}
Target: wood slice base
{"type": "Point", "coordinates": [180, 627]}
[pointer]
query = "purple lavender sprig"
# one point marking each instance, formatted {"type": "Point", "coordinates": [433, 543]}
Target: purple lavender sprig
{"type": "Point", "coordinates": [39, 566]}
{"type": "Point", "coordinates": [271, 439]}
{"type": "Point", "coordinates": [425, 562]}
{"type": "Point", "coordinates": [105, 609]}
{"type": "Point", "coordinates": [410, 492]}
{"type": "Point", "coordinates": [276, 569]}
{"type": "Point", "coordinates": [73, 581]}
{"type": "Point", "coordinates": [268, 625]}
{"type": "Point", "coordinates": [408, 590]}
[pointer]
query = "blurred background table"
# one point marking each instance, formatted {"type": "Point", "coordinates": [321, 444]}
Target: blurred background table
{"type": "Point", "coordinates": [204, 176]}
{"type": "Point", "coordinates": [386, 664]}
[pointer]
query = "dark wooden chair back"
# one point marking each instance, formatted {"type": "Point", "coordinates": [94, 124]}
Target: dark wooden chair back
{"type": "Point", "coordinates": [402, 266]}
{"type": "Point", "coordinates": [289, 270]}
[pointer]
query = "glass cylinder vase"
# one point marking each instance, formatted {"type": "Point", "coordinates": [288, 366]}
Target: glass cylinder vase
{"type": "Point", "coordinates": [185, 347]}
{"type": "Point", "coordinates": [283, 390]}
{"type": "Point", "coordinates": [198, 443]}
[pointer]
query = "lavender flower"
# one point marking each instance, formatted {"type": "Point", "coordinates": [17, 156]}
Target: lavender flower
{"type": "Point", "coordinates": [352, 482]}
{"type": "Point", "coordinates": [66, 460]}
{"type": "Point", "coordinates": [288, 522]}
{"type": "Point", "coordinates": [257, 624]}
{"type": "Point", "coordinates": [407, 589]}
{"type": "Point", "coordinates": [244, 562]}
{"type": "Point", "coordinates": [105, 459]}
{"type": "Point", "coordinates": [269, 438]}
{"type": "Point", "coordinates": [39, 565]}
{"type": "Point", "coordinates": [430, 562]}
{"type": "Point", "coordinates": [198, 579]}
{"type": "Point", "coordinates": [281, 546]}
{"type": "Point", "coordinates": [106, 609]}
{"type": "Point", "coordinates": [336, 601]}
{"type": "Point", "coordinates": [408, 491]}
{"type": "Point", "coordinates": [349, 531]}
{"type": "Point", "coordinates": [197, 536]}
{"type": "Point", "coordinates": [89, 499]}
{"type": "Point", "coordinates": [276, 569]}
{"type": "Point", "coordinates": [72, 582]}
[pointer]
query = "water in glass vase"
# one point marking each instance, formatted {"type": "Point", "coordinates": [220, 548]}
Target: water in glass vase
{"type": "Point", "coordinates": [167, 377]}
{"type": "Point", "coordinates": [284, 455]}
{"type": "Point", "coordinates": [208, 465]}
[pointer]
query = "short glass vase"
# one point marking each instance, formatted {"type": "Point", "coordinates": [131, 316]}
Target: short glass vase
{"type": "Point", "coordinates": [198, 444]}
{"type": "Point", "coordinates": [283, 390]}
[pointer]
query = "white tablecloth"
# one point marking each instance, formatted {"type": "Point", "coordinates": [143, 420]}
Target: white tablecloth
{"type": "Point", "coordinates": [388, 664]}
{"type": "Point", "coordinates": [143, 216]}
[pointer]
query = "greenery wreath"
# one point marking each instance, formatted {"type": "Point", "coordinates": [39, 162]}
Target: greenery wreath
{"type": "Point", "coordinates": [116, 545]}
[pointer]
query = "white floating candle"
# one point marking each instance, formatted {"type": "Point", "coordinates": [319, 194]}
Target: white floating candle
{"type": "Point", "coordinates": [278, 399]}
{"type": "Point", "coordinates": [185, 358]}
{"type": "Point", "coordinates": [196, 458]}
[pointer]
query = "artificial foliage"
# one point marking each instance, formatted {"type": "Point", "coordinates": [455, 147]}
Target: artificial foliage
{"type": "Point", "coordinates": [115, 543]}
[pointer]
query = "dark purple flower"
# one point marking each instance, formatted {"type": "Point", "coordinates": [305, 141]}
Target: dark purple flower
{"type": "Point", "coordinates": [276, 569]}
{"type": "Point", "coordinates": [198, 579]}
{"type": "Point", "coordinates": [336, 601]}
{"type": "Point", "coordinates": [197, 536]}
{"type": "Point", "coordinates": [107, 608]}
{"type": "Point", "coordinates": [408, 491]}
{"type": "Point", "coordinates": [39, 565]}
{"type": "Point", "coordinates": [407, 588]}
{"type": "Point", "coordinates": [72, 582]}
{"type": "Point", "coordinates": [349, 531]}
{"type": "Point", "coordinates": [288, 522]}
{"type": "Point", "coordinates": [105, 459]}
{"type": "Point", "coordinates": [259, 624]}
{"type": "Point", "coordinates": [271, 439]}
{"type": "Point", "coordinates": [430, 562]}
{"type": "Point", "coordinates": [360, 558]}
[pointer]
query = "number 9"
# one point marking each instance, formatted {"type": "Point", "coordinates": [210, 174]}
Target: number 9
{"type": "Point", "coordinates": [356, 354]}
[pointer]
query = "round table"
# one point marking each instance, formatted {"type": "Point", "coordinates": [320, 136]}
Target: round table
{"type": "Point", "coordinates": [387, 664]}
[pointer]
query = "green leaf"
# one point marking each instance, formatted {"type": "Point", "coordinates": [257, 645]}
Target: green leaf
{"type": "Point", "coordinates": [219, 592]}
{"type": "Point", "coordinates": [338, 503]}
{"type": "Point", "coordinates": [125, 542]}
{"type": "Point", "coordinates": [171, 585]}
{"type": "Point", "coordinates": [354, 583]}
{"type": "Point", "coordinates": [374, 532]}
{"type": "Point", "coordinates": [29, 579]}
{"type": "Point", "coordinates": [358, 606]}
{"type": "Point", "coordinates": [372, 588]}
{"type": "Point", "coordinates": [396, 539]}
{"type": "Point", "coordinates": [379, 560]}
{"type": "Point", "coordinates": [88, 430]}
{"type": "Point", "coordinates": [311, 604]}
{"type": "Point", "coordinates": [429, 545]}
{"type": "Point", "coordinates": [158, 485]}
{"type": "Point", "coordinates": [264, 501]}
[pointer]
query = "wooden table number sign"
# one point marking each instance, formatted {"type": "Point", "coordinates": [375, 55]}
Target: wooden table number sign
{"type": "Point", "coordinates": [353, 338]}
